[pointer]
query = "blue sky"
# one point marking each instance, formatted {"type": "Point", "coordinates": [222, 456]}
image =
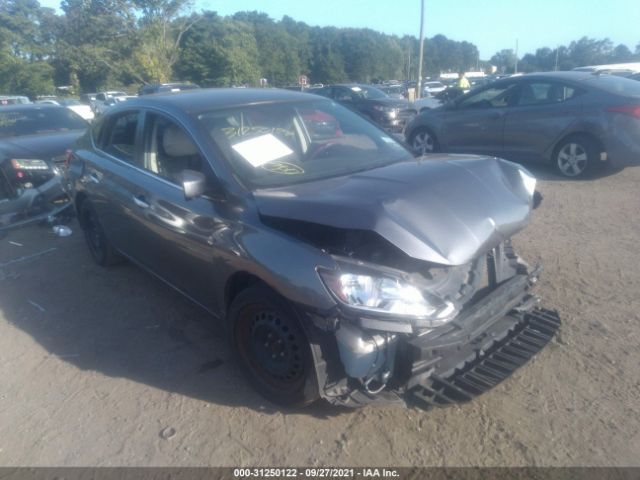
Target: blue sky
{"type": "Point", "coordinates": [490, 24]}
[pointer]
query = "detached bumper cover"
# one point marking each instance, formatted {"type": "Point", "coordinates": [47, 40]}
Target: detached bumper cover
{"type": "Point", "coordinates": [454, 373]}
{"type": "Point", "coordinates": [464, 358]}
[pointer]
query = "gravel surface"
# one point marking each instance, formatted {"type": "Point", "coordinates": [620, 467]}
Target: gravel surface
{"type": "Point", "coordinates": [110, 367]}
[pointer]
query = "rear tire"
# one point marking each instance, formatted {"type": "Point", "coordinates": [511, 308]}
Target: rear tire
{"type": "Point", "coordinates": [101, 249]}
{"type": "Point", "coordinates": [576, 156]}
{"type": "Point", "coordinates": [272, 347]}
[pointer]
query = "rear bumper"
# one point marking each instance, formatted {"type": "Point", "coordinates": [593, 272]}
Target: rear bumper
{"type": "Point", "coordinates": [623, 145]}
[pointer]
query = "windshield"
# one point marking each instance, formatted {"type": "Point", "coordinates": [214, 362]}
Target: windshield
{"type": "Point", "coordinates": [365, 91]}
{"type": "Point", "coordinates": [285, 143]}
{"type": "Point", "coordinates": [15, 123]}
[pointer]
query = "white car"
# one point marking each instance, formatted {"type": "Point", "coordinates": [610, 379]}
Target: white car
{"type": "Point", "coordinates": [105, 99]}
{"type": "Point", "coordinates": [72, 104]}
{"type": "Point", "coordinates": [426, 103]}
{"type": "Point", "coordinates": [433, 87]}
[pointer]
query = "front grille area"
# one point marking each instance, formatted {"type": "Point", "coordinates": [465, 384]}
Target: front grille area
{"type": "Point", "coordinates": [492, 365]}
{"type": "Point", "coordinates": [407, 114]}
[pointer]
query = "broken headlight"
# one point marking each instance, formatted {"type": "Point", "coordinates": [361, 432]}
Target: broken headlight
{"type": "Point", "coordinates": [528, 180]}
{"type": "Point", "coordinates": [384, 291]}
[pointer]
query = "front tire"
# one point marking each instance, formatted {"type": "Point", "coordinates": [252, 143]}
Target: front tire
{"type": "Point", "coordinates": [101, 249]}
{"type": "Point", "coordinates": [576, 156]}
{"type": "Point", "coordinates": [272, 347]}
{"type": "Point", "coordinates": [423, 141]}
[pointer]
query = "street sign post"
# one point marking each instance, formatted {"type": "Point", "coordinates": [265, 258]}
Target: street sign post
{"type": "Point", "coordinates": [303, 80]}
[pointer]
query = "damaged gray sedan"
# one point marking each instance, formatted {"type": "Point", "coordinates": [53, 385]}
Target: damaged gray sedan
{"type": "Point", "coordinates": [342, 267]}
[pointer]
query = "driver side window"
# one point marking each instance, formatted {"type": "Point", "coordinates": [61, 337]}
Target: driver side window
{"type": "Point", "coordinates": [169, 149]}
{"type": "Point", "coordinates": [493, 97]}
{"type": "Point", "coordinates": [344, 95]}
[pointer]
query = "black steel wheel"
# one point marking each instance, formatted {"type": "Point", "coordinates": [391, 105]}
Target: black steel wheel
{"type": "Point", "coordinates": [272, 347]}
{"type": "Point", "coordinates": [101, 250]}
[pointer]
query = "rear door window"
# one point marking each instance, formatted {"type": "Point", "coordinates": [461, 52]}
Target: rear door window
{"type": "Point", "coordinates": [497, 96]}
{"type": "Point", "coordinates": [545, 93]}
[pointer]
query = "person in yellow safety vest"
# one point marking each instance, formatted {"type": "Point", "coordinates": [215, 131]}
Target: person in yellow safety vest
{"type": "Point", "coordinates": [463, 83]}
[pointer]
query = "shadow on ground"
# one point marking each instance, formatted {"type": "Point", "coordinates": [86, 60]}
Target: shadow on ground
{"type": "Point", "coordinates": [119, 322]}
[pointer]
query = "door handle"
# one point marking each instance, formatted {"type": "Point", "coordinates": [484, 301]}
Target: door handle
{"type": "Point", "coordinates": [93, 177]}
{"type": "Point", "coordinates": [140, 201]}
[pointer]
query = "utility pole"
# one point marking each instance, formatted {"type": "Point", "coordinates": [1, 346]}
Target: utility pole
{"type": "Point", "coordinates": [516, 68]}
{"type": "Point", "coordinates": [556, 67]}
{"type": "Point", "coordinates": [419, 84]}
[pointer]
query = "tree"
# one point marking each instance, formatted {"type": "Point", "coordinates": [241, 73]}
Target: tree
{"type": "Point", "coordinates": [327, 63]}
{"type": "Point", "coordinates": [279, 59]}
{"type": "Point", "coordinates": [505, 60]}
{"type": "Point", "coordinates": [622, 54]}
{"type": "Point", "coordinates": [96, 43]}
{"type": "Point", "coordinates": [23, 29]}
{"type": "Point", "coordinates": [22, 77]}
{"type": "Point", "coordinates": [160, 34]}
{"type": "Point", "coordinates": [219, 52]}
{"type": "Point", "coordinates": [588, 51]}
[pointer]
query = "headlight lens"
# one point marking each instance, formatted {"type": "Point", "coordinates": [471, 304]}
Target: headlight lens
{"type": "Point", "coordinates": [392, 112]}
{"type": "Point", "coordinates": [362, 288]}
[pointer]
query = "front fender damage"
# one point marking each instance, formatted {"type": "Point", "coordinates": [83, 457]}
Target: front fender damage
{"type": "Point", "coordinates": [490, 339]}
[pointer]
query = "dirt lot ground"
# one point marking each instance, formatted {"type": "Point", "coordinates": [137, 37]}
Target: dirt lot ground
{"type": "Point", "coordinates": [111, 367]}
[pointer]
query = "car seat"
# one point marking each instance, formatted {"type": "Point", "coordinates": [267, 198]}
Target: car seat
{"type": "Point", "coordinates": [555, 93]}
{"type": "Point", "coordinates": [178, 153]}
{"type": "Point", "coordinates": [527, 96]}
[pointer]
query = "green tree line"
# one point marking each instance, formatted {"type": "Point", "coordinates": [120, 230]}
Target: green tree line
{"type": "Point", "coordinates": [93, 45]}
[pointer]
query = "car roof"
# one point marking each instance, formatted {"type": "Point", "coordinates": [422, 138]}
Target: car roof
{"type": "Point", "coordinates": [574, 76]}
{"type": "Point", "coordinates": [206, 99]}
{"type": "Point", "coordinates": [349, 85]}
{"type": "Point", "coordinates": [30, 106]}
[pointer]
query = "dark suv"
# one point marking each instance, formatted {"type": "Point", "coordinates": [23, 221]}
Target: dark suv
{"type": "Point", "coordinates": [341, 266]}
{"type": "Point", "coordinates": [392, 114]}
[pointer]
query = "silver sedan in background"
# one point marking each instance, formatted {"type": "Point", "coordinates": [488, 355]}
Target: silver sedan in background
{"type": "Point", "coordinates": [573, 120]}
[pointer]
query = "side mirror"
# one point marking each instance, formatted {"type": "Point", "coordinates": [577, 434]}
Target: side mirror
{"type": "Point", "coordinates": [193, 183]}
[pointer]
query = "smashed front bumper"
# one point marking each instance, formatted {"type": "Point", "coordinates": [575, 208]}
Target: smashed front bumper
{"type": "Point", "coordinates": [449, 364]}
{"type": "Point", "coordinates": [35, 204]}
{"type": "Point", "coordinates": [447, 370]}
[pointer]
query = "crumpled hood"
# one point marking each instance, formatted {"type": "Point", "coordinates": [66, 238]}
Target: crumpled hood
{"type": "Point", "coordinates": [445, 210]}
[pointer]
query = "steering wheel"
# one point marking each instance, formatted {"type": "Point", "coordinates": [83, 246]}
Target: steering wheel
{"type": "Point", "coordinates": [321, 149]}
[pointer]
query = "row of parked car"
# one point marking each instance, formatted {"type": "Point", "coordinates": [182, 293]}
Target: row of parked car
{"type": "Point", "coordinates": [341, 266]}
{"type": "Point", "coordinates": [577, 122]}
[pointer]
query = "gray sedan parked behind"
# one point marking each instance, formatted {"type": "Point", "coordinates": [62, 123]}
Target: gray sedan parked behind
{"type": "Point", "coordinates": [573, 120]}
